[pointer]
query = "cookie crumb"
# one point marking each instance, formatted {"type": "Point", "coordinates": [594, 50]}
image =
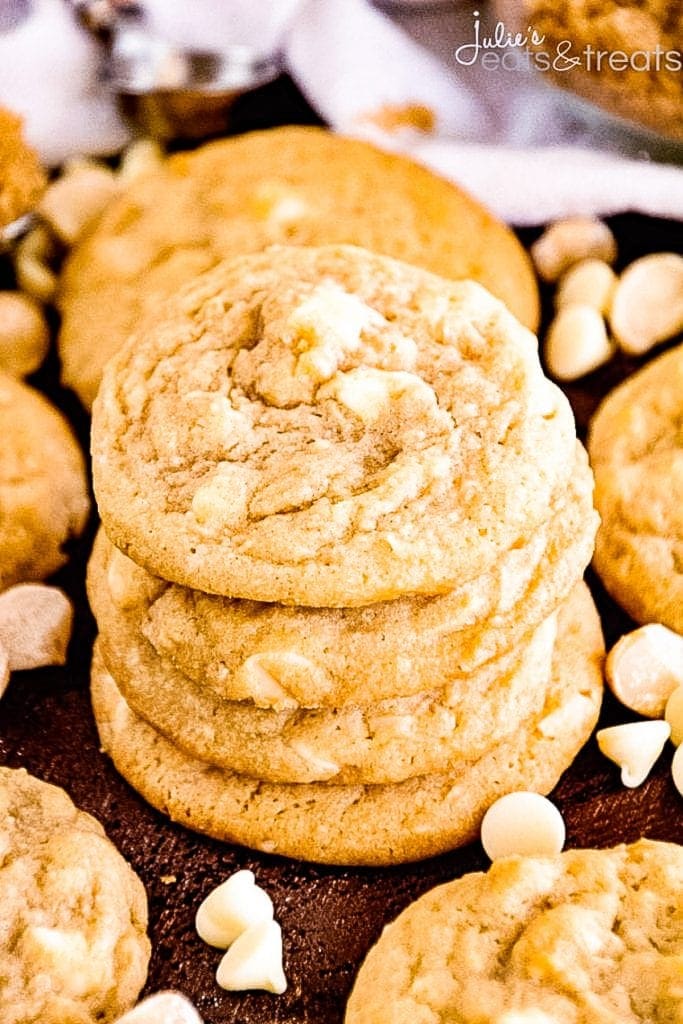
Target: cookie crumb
{"type": "Point", "coordinates": [395, 117]}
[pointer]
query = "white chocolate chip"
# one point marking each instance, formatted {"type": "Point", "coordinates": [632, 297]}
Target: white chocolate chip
{"type": "Point", "coordinates": [522, 823]}
{"type": "Point", "coordinates": [577, 342]}
{"type": "Point", "coordinates": [256, 682]}
{"type": "Point", "coordinates": [647, 306]}
{"type": "Point", "coordinates": [279, 203]}
{"type": "Point", "coordinates": [677, 769]}
{"type": "Point", "coordinates": [327, 325]}
{"type": "Point", "coordinates": [128, 583]}
{"type": "Point", "coordinates": [644, 667]}
{"type": "Point", "coordinates": [322, 767]}
{"type": "Point", "coordinates": [162, 1008]}
{"type": "Point", "coordinates": [365, 392]}
{"type": "Point", "coordinates": [139, 158]}
{"type": "Point", "coordinates": [57, 948]}
{"type": "Point", "coordinates": [556, 722]}
{"type": "Point", "coordinates": [588, 283]}
{"type": "Point", "coordinates": [35, 625]}
{"type": "Point", "coordinates": [634, 747]}
{"type": "Point", "coordinates": [673, 714]}
{"type": "Point", "coordinates": [566, 242]}
{"type": "Point", "coordinates": [231, 908]}
{"type": "Point", "coordinates": [254, 961]}
{"type": "Point", "coordinates": [77, 198]}
{"type": "Point", "coordinates": [221, 500]}
{"type": "Point", "coordinates": [24, 334]}
{"type": "Point", "coordinates": [4, 669]}
{"type": "Point", "coordinates": [369, 392]}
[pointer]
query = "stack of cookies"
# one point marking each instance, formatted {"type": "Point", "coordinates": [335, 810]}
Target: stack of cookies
{"type": "Point", "coordinates": [338, 588]}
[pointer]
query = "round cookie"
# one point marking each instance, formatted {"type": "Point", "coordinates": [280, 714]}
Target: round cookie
{"type": "Point", "coordinates": [327, 427]}
{"type": "Point", "coordinates": [587, 935]}
{"type": "Point", "coordinates": [22, 179]}
{"type": "Point", "coordinates": [636, 448]}
{"type": "Point", "coordinates": [381, 743]}
{"type": "Point", "coordinates": [294, 185]}
{"type": "Point", "coordinates": [283, 657]}
{"type": "Point", "coordinates": [43, 490]}
{"type": "Point", "coordinates": [365, 824]}
{"type": "Point", "coordinates": [73, 930]}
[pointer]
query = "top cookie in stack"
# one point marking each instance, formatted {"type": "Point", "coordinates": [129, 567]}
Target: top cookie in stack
{"type": "Point", "coordinates": [331, 462]}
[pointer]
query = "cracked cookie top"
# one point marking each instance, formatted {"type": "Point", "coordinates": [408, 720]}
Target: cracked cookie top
{"type": "Point", "coordinates": [588, 935]}
{"type": "Point", "coordinates": [327, 427]}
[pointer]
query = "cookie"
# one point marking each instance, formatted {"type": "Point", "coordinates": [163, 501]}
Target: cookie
{"type": "Point", "coordinates": [43, 490]}
{"type": "Point", "coordinates": [74, 915]}
{"type": "Point", "coordinates": [587, 935]}
{"type": "Point", "coordinates": [327, 427]}
{"type": "Point", "coordinates": [294, 185]}
{"type": "Point", "coordinates": [365, 824]}
{"type": "Point", "coordinates": [22, 179]}
{"type": "Point", "coordinates": [283, 657]}
{"type": "Point", "coordinates": [636, 448]}
{"type": "Point", "coordinates": [384, 742]}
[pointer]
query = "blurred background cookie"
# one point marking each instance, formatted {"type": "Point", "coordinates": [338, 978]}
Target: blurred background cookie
{"type": "Point", "coordinates": [44, 499]}
{"type": "Point", "coordinates": [636, 452]}
{"type": "Point", "coordinates": [22, 179]}
{"type": "Point", "coordinates": [294, 185]}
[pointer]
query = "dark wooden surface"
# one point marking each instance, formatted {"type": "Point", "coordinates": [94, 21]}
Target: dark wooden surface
{"type": "Point", "coordinates": [329, 916]}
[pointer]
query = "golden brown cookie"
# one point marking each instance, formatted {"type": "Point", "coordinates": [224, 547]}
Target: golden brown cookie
{"type": "Point", "coordinates": [383, 742]}
{"type": "Point", "coordinates": [43, 490]}
{"type": "Point", "coordinates": [636, 448]}
{"type": "Point", "coordinates": [365, 824]}
{"type": "Point", "coordinates": [73, 933]}
{"type": "Point", "coordinates": [294, 185]}
{"type": "Point", "coordinates": [587, 935]}
{"type": "Point", "coordinates": [22, 179]}
{"type": "Point", "coordinates": [327, 427]}
{"type": "Point", "coordinates": [283, 657]}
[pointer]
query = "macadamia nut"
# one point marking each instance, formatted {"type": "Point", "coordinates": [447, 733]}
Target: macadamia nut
{"type": "Point", "coordinates": [673, 714]}
{"type": "Point", "coordinates": [35, 625]}
{"type": "Point", "coordinates": [577, 342]}
{"type": "Point", "coordinates": [644, 668]}
{"type": "Point", "coordinates": [588, 283]}
{"type": "Point", "coordinates": [647, 306]}
{"type": "Point", "coordinates": [677, 769]}
{"type": "Point", "coordinates": [569, 241]}
{"type": "Point", "coordinates": [77, 198]}
{"type": "Point", "coordinates": [24, 334]}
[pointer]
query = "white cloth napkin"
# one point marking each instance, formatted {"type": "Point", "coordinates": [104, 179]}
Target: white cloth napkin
{"type": "Point", "coordinates": [507, 137]}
